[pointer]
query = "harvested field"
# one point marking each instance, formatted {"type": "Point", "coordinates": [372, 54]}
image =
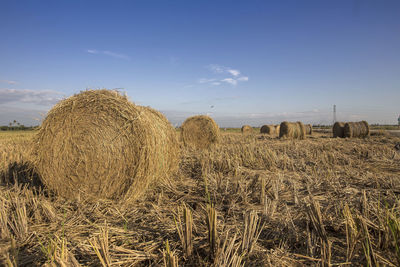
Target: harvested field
{"type": "Point", "coordinates": [254, 200]}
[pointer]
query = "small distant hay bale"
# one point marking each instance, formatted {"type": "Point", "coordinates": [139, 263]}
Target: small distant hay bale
{"type": "Point", "coordinates": [338, 129]}
{"type": "Point", "coordinates": [200, 132]}
{"type": "Point", "coordinates": [292, 130]}
{"type": "Point", "coordinates": [268, 129]}
{"type": "Point", "coordinates": [309, 129]}
{"type": "Point", "coordinates": [277, 128]}
{"type": "Point", "coordinates": [356, 129]}
{"type": "Point", "coordinates": [247, 129]}
{"type": "Point", "coordinates": [98, 145]}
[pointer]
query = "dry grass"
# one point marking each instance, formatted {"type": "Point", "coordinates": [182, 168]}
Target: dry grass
{"type": "Point", "coordinates": [251, 201]}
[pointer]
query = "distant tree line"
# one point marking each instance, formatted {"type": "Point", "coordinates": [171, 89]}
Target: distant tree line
{"type": "Point", "coordinates": [16, 126]}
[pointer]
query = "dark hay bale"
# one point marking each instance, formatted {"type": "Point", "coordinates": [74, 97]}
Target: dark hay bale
{"type": "Point", "coordinates": [200, 132]}
{"type": "Point", "coordinates": [247, 129]}
{"type": "Point", "coordinates": [309, 129]}
{"type": "Point", "coordinates": [338, 129]}
{"type": "Point", "coordinates": [98, 145]}
{"type": "Point", "coordinates": [356, 129]}
{"type": "Point", "coordinates": [268, 129]}
{"type": "Point", "coordinates": [292, 130]}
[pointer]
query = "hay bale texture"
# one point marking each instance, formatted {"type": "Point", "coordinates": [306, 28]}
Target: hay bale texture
{"type": "Point", "coordinates": [98, 145]}
{"type": "Point", "coordinates": [247, 129]}
{"type": "Point", "coordinates": [268, 129]}
{"type": "Point", "coordinates": [200, 132]}
{"type": "Point", "coordinates": [309, 129]}
{"type": "Point", "coordinates": [356, 129]}
{"type": "Point", "coordinates": [338, 129]}
{"type": "Point", "coordinates": [277, 128]}
{"type": "Point", "coordinates": [292, 130]}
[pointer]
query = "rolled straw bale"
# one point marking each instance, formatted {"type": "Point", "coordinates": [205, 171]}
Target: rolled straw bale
{"type": "Point", "coordinates": [356, 129]}
{"type": "Point", "coordinates": [247, 129]}
{"type": "Point", "coordinates": [268, 129]}
{"type": "Point", "coordinates": [277, 128]}
{"type": "Point", "coordinates": [200, 132]}
{"type": "Point", "coordinates": [309, 129]}
{"type": "Point", "coordinates": [98, 145]}
{"type": "Point", "coordinates": [338, 129]}
{"type": "Point", "coordinates": [292, 130]}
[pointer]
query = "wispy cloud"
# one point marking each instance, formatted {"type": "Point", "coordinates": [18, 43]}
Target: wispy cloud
{"type": "Point", "coordinates": [230, 81]}
{"type": "Point", "coordinates": [8, 82]}
{"type": "Point", "coordinates": [218, 69]}
{"type": "Point", "coordinates": [233, 72]}
{"type": "Point", "coordinates": [204, 80]}
{"type": "Point", "coordinates": [108, 53]}
{"type": "Point", "coordinates": [39, 97]}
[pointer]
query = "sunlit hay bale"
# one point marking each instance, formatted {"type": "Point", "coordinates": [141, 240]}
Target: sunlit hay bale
{"type": "Point", "coordinates": [247, 129]}
{"type": "Point", "coordinates": [200, 132]}
{"type": "Point", "coordinates": [277, 128]}
{"type": "Point", "coordinates": [309, 129]}
{"type": "Point", "coordinates": [292, 130]}
{"type": "Point", "coordinates": [356, 129]}
{"type": "Point", "coordinates": [268, 129]}
{"type": "Point", "coordinates": [98, 145]}
{"type": "Point", "coordinates": [338, 129]}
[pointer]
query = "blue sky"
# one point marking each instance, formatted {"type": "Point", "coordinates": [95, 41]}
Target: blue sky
{"type": "Point", "coordinates": [252, 62]}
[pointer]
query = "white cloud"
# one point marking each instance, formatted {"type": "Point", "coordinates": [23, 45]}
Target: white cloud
{"type": "Point", "coordinates": [230, 81]}
{"type": "Point", "coordinates": [243, 79]}
{"type": "Point", "coordinates": [204, 80]}
{"type": "Point", "coordinates": [233, 72]}
{"type": "Point", "coordinates": [218, 69]}
{"type": "Point", "coordinates": [8, 82]}
{"type": "Point", "coordinates": [39, 97]}
{"type": "Point", "coordinates": [108, 53]}
{"type": "Point", "coordinates": [92, 51]}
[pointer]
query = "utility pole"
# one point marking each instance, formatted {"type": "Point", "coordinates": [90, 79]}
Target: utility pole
{"type": "Point", "coordinates": [334, 114]}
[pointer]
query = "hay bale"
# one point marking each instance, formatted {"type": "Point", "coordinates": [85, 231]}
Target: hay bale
{"type": "Point", "coordinates": [277, 128]}
{"type": "Point", "coordinates": [98, 145]}
{"type": "Point", "coordinates": [292, 130]}
{"type": "Point", "coordinates": [200, 132]}
{"type": "Point", "coordinates": [356, 129]}
{"type": "Point", "coordinates": [247, 129]}
{"type": "Point", "coordinates": [309, 129]}
{"type": "Point", "coordinates": [338, 129]}
{"type": "Point", "coordinates": [268, 129]}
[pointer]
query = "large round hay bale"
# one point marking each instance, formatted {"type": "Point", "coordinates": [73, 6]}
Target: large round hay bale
{"type": "Point", "coordinates": [246, 129]}
{"type": "Point", "coordinates": [200, 132]}
{"type": "Point", "coordinates": [292, 130]}
{"type": "Point", "coordinates": [309, 129]}
{"type": "Point", "coordinates": [268, 129]}
{"type": "Point", "coordinates": [98, 145]}
{"type": "Point", "coordinates": [338, 129]}
{"type": "Point", "coordinates": [356, 129]}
